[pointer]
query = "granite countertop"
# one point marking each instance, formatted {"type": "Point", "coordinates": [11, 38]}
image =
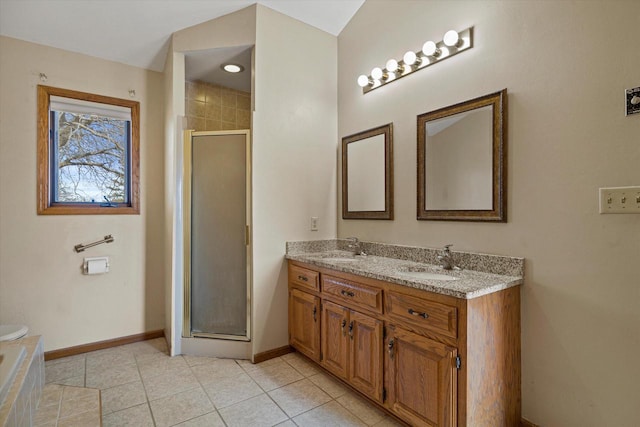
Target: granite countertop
{"type": "Point", "coordinates": [468, 284]}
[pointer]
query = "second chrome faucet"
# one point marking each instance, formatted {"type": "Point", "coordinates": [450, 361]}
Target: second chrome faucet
{"type": "Point", "coordinates": [354, 246]}
{"type": "Point", "coordinates": [446, 259]}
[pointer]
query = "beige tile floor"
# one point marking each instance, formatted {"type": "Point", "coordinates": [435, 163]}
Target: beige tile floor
{"type": "Point", "coordinates": [141, 386]}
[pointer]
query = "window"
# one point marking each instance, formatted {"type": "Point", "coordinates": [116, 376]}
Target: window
{"type": "Point", "coordinates": [88, 153]}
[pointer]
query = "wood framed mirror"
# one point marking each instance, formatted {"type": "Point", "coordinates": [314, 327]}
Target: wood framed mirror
{"type": "Point", "coordinates": [367, 174]}
{"type": "Point", "coordinates": [462, 161]}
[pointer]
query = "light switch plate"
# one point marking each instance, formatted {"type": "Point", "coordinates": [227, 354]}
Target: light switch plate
{"type": "Point", "coordinates": [621, 200]}
{"type": "Point", "coordinates": [629, 95]}
{"type": "Point", "coordinates": [314, 223]}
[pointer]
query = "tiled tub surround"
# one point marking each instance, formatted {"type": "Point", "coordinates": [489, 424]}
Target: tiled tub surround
{"type": "Point", "coordinates": [142, 386]}
{"type": "Point", "coordinates": [22, 399]}
{"type": "Point", "coordinates": [480, 274]}
{"type": "Point", "coordinates": [11, 358]}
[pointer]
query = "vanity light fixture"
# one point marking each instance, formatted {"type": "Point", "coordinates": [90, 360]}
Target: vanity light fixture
{"type": "Point", "coordinates": [452, 38]}
{"type": "Point", "coordinates": [410, 58]}
{"type": "Point", "coordinates": [377, 73]}
{"type": "Point", "coordinates": [430, 49]}
{"type": "Point", "coordinates": [364, 81]}
{"type": "Point", "coordinates": [392, 65]}
{"type": "Point", "coordinates": [232, 68]}
{"type": "Point", "coordinates": [452, 43]}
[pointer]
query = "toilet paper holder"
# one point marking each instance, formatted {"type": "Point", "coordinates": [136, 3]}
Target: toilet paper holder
{"type": "Point", "coordinates": [95, 265]}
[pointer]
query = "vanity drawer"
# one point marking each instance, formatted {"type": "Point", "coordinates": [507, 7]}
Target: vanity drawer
{"type": "Point", "coordinates": [302, 276]}
{"type": "Point", "coordinates": [352, 293]}
{"type": "Point", "coordinates": [434, 316]}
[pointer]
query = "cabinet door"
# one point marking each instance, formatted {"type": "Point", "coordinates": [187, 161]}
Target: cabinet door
{"type": "Point", "coordinates": [304, 323]}
{"type": "Point", "coordinates": [422, 378]}
{"type": "Point", "coordinates": [365, 368]}
{"type": "Point", "coordinates": [335, 338]}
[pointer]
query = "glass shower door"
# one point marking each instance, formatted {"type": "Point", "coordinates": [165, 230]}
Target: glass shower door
{"type": "Point", "coordinates": [219, 273]}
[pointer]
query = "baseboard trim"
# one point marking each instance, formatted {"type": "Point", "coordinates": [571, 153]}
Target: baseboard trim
{"type": "Point", "coordinates": [526, 423]}
{"type": "Point", "coordinates": [272, 354]}
{"type": "Point", "coordinates": [101, 345]}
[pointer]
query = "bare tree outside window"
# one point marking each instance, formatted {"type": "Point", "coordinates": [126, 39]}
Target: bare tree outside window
{"type": "Point", "coordinates": [91, 158]}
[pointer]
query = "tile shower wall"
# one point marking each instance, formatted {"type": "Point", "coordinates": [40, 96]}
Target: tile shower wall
{"type": "Point", "coordinates": [213, 107]}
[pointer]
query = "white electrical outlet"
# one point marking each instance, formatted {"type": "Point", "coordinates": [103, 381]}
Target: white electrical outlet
{"type": "Point", "coordinates": [621, 200]}
{"type": "Point", "coordinates": [314, 223]}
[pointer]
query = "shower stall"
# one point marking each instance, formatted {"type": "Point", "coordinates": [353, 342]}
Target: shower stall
{"type": "Point", "coordinates": [217, 235]}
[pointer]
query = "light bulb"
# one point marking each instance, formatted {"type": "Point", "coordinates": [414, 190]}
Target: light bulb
{"type": "Point", "coordinates": [451, 38]}
{"type": "Point", "coordinates": [363, 81]}
{"type": "Point", "coordinates": [232, 68]}
{"type": "Point", "coordinates": [409, 58]}
{"type": "Point", "coordinates": [376, 73]}
{"type": "Point", "coordinates": [430, 49]}
{"type": "Point", "coordinates": [392, 65]}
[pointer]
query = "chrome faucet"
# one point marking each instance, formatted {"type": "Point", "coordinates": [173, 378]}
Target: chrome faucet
{"type": "Point", "coordinates": [446, 259]}
{"type": "Point", "coordinates": [355, 246]}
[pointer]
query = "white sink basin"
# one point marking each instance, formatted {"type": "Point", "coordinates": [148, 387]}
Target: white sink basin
{"type": "Point", "coordinates": [339, 259]}
{"type": "Point", "coordinates": [427, 275]}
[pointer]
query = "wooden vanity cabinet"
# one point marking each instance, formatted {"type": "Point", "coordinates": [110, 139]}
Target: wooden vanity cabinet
{"type": "Point", "coordinates": [304, 323]}
{"type": "Point", "coordinates": [351, 348]}
{"type": "Point", "coordinates": [421, 379]}
{"type": "Point", "coordinates": [429, 359]}
{"type": "Point", "coordinates": [352, 340]}
{"type": "Point", "coordinates": [365, 360]}
{"type": "Point", "coordinates": [335, 339]}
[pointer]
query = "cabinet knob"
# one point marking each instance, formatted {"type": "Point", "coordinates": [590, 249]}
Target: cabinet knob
{"type": "Point", "coordinates": [347, 293]}
{"type": "Point", "coordinates": [390, 347]}
{"type": "Point", "coordinates": [351, 329]}
{"type": "Point", "coordinates": [344, 324]}
{"type": "Point", "coordinates": [315, 312]}
{"type": "Point", "coordinates": [303, 278]}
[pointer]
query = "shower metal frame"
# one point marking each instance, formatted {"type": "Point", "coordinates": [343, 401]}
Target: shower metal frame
{"type": "Point", "coordinates": [186, 230]}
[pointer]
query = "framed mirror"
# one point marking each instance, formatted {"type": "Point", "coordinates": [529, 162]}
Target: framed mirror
{"type": "Point", "coordinates": [462, 161]}
{"type": "Point", "coordinates": [367, 174]}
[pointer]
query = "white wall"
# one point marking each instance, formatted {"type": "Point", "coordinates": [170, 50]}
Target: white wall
{"type": "Point", "coordinates": [230, 30]}
{"type": "Point", "coordinates": [41, 284]}
{"type": "Point", "coordinates": [294, 149]}
{"type": "Point", "coordinates": [172, 232]}
{"type": "Point", "coordinates": [566, 65]}
{"type": "Point", "coordinates": [294, 139]}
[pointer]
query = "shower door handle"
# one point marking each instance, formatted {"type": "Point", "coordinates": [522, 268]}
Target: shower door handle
{"type": "Point", "coordinates": [247, 236]}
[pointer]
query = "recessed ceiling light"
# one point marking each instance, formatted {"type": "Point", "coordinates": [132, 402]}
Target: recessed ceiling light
{"type": "Point", "coordinates": [233, 68]}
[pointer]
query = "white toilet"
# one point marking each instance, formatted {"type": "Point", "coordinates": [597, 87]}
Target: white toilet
{"type": "Point", "coordinates": [12, 332]}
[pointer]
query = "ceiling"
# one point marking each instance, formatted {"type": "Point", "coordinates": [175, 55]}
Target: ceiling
{"type": "Point", "coordinates": [205, 65]}
{"type": "Point", "coordinates": [136, 32]}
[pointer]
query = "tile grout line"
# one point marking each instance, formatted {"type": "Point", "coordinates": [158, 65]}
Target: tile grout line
{"type": "Point", "coordinates": [215, 408]}
{"type": "Point", "coordinates": [146, 396]}
{"type": "Point", "coordinates": [294, 382]}
{"type": "Point", "coordinates": [332, 399]}
{"type": "Point", "coordinates": [59, 406]}
{"type": "Point", "coordinates": [264, 391]}
{"type": "Point", "coordinates": [271, 398]}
